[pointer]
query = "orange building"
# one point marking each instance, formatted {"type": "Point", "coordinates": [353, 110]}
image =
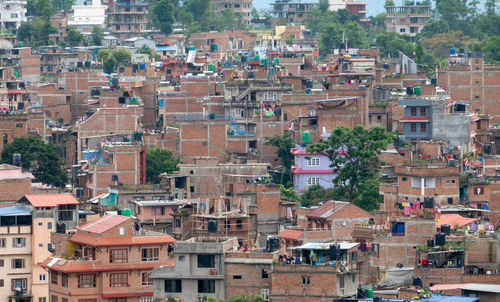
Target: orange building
{"type": "Point", "coordinates": [106, 261]}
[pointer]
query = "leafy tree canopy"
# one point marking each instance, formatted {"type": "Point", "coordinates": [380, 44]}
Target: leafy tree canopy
{"type": "Point", "coordinates": [314, 195]}
{"type": "Point", "coordinates": [283, 144]}
{"type": "Point", "coordinates": [41, 159]}
{"type": "Point", "coordinates": [159, 161]}
{"type": "Point", "coordinates": [97, 35]}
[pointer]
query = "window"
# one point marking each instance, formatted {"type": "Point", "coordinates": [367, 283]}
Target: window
{"type": "Point", "coordinates": [206, 286]}
{"type": "Point", "coordinates": [413, 127]}
{"type": "Point", "coordinates": [158, 197]}
{"type": "Point", "coordinates": [150, 254]}
{"type": "Point", "coordinates": [479, 191]}
{"type": "Point", "coordinates": [53, 277]}
{"type": "Point", "coordinates": [237, 277]}
{"type": "Point", "coordinates": [146, 280]}
{"type": "Point", "coordinates": [239, 224]}
{"type": "Point", "coordinates": [1, 262]}
{"type": "Point", "coordinates": [402, 30]}
{"type": "Point", "coordinates": [306, 280]}
{"type": "Point", "coordinates": [341, 281]}
{"type": "Point", "coordinates": [42, 299]}
{"type": "Point", "coordinates": [53, 298]}
{"type": "Point", "coordinates": [379, 117]}
{"type": "Point", "coordinates": [86, 280]}
{"type": "Point", "coordinates": [478, 125]}
{"type": "Point", "coordinates": [66, 212]}
{"type": "Point", "coordinates": [49, 225]}
{"type": "Point", "coordinates": [40, 223]}
{"type": "Point", "coordinates": [19, 283]}
{"type": "Point", "coordinates": [173, 286]}
{"type": "Point", "coordinates": [18, 242]}
{"type": "Point", "coordinates": [450, 181]}
{"type": "Point", "coordinates": [64, 299]}
{"type": "Point", "coordinates": [146, 299]}
{"type": "Point", "coordinates": [416, 182]}
{"type": "Point", "coordinates": [5, 139]}
{"type": "Point", "coordinates": [42, 277]}
{"type": "Point", "coordinates": [13, 16]}
{"type": "Point", "coordinates": [423, 111]}
{"type": "Point", "coordinates": [413, 19]}
{"type": "Point", "coordinates": [265, 274]}
{"type": "Point", "coordinates": [206, 260]}
{"type": "Point", "coordinates": [64, 280]}
{"type": "Point", "coordinates": [450, 200]}
{"type": "Point", "coordinates": [353, 257]}
{"type": "Point", "coordinates": [313, 162]}
{"type": "Point", "coordinates": [1, 283]}
{"type": "Point", "coordinates": [17, 263]}
{"type": "Point", "coordinates": [402, 20]}
{"type": "Point", "coordinates": [2, 242]}
{"type": "Point", "coordinates": [404, 179]}
{"type": "Point", "coordinates": [313, 180]}
{"type": "Point", "coordinates": [413, 111]}
{"type": "Point", "coordinates": [158, 211]}
{"type": "Point", "coordinates": [118, 255]}
{"type": "Point", "coordinates": [182, 258]}
{"type": "Point", "coordinates": [423, 127]}
{"type": "Point", "coordinates": [227, 225]}
{"type": "Point", "coordinates": [118, 279]}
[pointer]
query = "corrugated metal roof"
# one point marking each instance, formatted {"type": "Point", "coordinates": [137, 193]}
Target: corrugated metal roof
{"type": "Point", "coordinates": [327, 209]}
{"type": "Point", "coordinates": [13, 211]}
{"type": "Point", "coordinates": [291, 234]}
{"type": "Point", "coordinates": [104, 223]}
{"type": "Point", "coordinates": [325, 246]}
{"type": "Point", "coordinates": [51, 200]}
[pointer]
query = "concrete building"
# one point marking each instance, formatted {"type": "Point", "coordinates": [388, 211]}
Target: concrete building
{"type": "Point", "coordinates": [12, 14]}
{"type": "Point", "coordinates": [138, 42]}
{"type": "Point", "coordinates": [407, 19]}
{"type": "Point", "coordinates": [198, 272]}
{"type": "Point", "coordinates": [242, 7]}
{"type": "Point", "coordinates": [88, 14]}
{"type": "Point", "coordinates": [292, 11]}
{"type": "Point", "coordinates": [109, 262]}
{"type": "Point", "coordinates": [311, 169]}
{"type": "Point", "coordinates": [417, 119]}
{"type": "Point", "coordinates": [129, 18]}
{"type": "Point", "coordinates": [352, 7]}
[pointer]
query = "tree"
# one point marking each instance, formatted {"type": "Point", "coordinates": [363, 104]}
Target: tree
{"type": "Point", "coordinates": [314, 195]}
{"type": "Point", "coordinates": [145, 50]}
{"type": "Point", "coordinates": [354, 153]}
{"type": "Point", "coordinates": [35, 32]}
{"type": "Point", "coordinates": [492, 48]}
{"type": "Point", "coordinates": [121, 55]}
{"type": "Point", "coordinates": [284, 144]}
{"type": "Point", "coordinates": [97, 35]}
{"type": "Point", "coordinates": [62, 4]}
{"type": "Point", "coordinates": [159, 161]}
{"type": "Point", "coordinates": [288, 193]}
{"type": "Point", "coordinates": [109, 64]}
{"type": "Point", "coordinates": [324, 5]}
{"type": "Point", "coordinates": [163, 15]}
{"type": "Point", "coordinates": [73, 36]}
{"type": "Point", "coordinates": [102, 55]}
{"type": "Point", "coordinates": [440, 44]}
{"type": "Point", "coordinates": [289, 39]}
{"type": "Point", "coordinates": [329, 39]}
{"type": "Point", "coordinates": [389, 43]}
{"type": "Point", "coordinates": [41, 159]}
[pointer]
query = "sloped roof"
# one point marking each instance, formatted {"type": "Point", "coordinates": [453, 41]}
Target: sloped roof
{"type": "Point", "coordinates": [62, 265]}
{"type": "Point", "coordinates": [104, 223]}
{"type": "Point", "coordinates": [291, 234]}
{"type": "Point", "coordinates": [51, 200]}
{"type": "Point", "coordinates": [96, 240]}
{"type": "Point", "coordinates": [453, 220]}
{"type": "Point", "coordinates": [327, 209]}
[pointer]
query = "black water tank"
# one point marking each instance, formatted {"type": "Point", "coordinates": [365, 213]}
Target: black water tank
{"type": "Point", "coordinates": [487, 147]}
{"type": "Point", "coordinates": [20, 105]}
{"type": "Point", "coordinates": [212, 226]}
{"type": "Point", "coordinates": [274, 244]}
{"type": "Point", "coordinates": [409, 90]}
{"type": "Point", "coordinates": [114, 177]}
{"type": "Point", "coordinates": [428, 202]}
{"type": "Point", "coordinates": [430, 242]}
{"type": "Point", "coordinates": [434, 81]}
{"type": "Point", "coordinates": [446, 229]}
{"type": "Point", "coordinates": [440, 239]}
{"type": "Point", "coordinates": [60, 227]}
{"type": "Point", "coordinates": [417, 281]}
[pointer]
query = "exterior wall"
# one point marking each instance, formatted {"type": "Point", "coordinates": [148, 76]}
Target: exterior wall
{"type": "Point", "coordinates": [40, 241]}
{"type": "Point", "coordinates": [87, 16]}
{"type": "Point", "coordinates": [301, 180]}
{"type": "Point", "coordinates": [7, 273]}
{"type": "Point", "coordinates": [418, 104]}
{"type": "Point", "coordinates": [14, 15]}
{"type": "Point", "coordinates": [12, 126]}
{"type": "Point", "coordinates": [12, 190]}
{"type": "Point", "coordinates": [453, 128]}
{"type": "Point", "coordinates": [407, 19]}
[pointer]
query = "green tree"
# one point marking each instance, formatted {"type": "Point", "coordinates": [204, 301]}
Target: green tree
{"type": "Point", "coordinates": [97, 35]}
{"type": "Point", "coordinates": [284, 144]}
{"type": "Point", "coordinates": [314, 195]}
{"type": "Point", "coordinates": [109, 64]}
{"type": "Point", "coordinates": [159, 161]}
{"type": "Point", "coordinates": [390, 42]}
{"type": "Point", "coordinates": [355, 34]}
{"type": "Point", "coordinates": [41, 159]}
{"type": "Point", "coordinates": [354, 153]}
{"type": "Point", "coordinates": [102, 54]}
{"type": "Point", "coordinates": [36, 32]}
{"type": "Point", "coordinates": [289, 39]}
{"type": "Point", "coordinates": [492, 48]}
{"type": "Point", "coordinates": [73, 37]}
{"type": "Point", "coordinates": [162, 12]}
{"type": "Point", "coordinates": [324, 5]}
{"type": "Point", "coordinates": [288, 193]}
{"type": "Point", "coordinates": [121, 55]}
{"type": "Point", "coordinates": [329, 39]}
{"type": "Point", "coordinates": [62, 4]}
{"type": "Point", "coordinates": [145, 50]}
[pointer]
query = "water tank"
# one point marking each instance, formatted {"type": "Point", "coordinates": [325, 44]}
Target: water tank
{"type": "Point", "coordinates": [369, 292]}
{"type": "Point", "coordinates": [191, 48]}
{"type": "Point", "coordinates": [274, 244]}
{"type": "Point", "coordinates": [451, 162]}
{"type": "Point", "coordinates": [250, 75]}
{"type": "Point", "coordinates": [409, 90]}
{"type": "Point", "coordinates": [417, 90]}
{"type": "Point", "coordinates": [452, 51]}
{"type": "Point", "coordinates": [142, 66]}
{"type": "Point", "coordinates": [16, 159]}
{"type": "Point", "coordinates": [428, 202]}
{"type": "Point", "coordinates": [306, 137]}
{"type": "Point", "coordinates": [60, 227]}
{"type": "Point", "coordinates": [126, 212]}
{"type": "Point", "coordinates": [446, 229]}
{"type": "Point", "coordinates": [430, 242]}
{"type": "Point", "coordinates": [440, 239]}
{"type": "Point", "coordinates": [417, 281]}
{"type": "Point", "coordinates": [211, 67]}
{"type": "Point", "coordinates": [212, 226]}
{"type": "Point", "coordinates": [487, 149]}
{"type": "Point", "coordinates": [133, 100]}
{"type": "Point", "coordinates": [114, 82]}
{"type": "Point", "coordinates": [114, 177]}
{"type": "Point", "coordinates": [434, 81]}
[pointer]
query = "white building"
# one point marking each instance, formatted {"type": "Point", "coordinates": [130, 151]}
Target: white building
{"type": "Point", "coordinates": [12, 13]}
{"type": "Point", "coordinates": [87, 15]}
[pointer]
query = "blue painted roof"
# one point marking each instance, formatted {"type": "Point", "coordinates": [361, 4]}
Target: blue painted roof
{"type": "Point", "coordinates": [165, 48]}
{"type": "Point", "coordinates": [436, 298]}
{"type": "Point", "coordinates": [14, 211]}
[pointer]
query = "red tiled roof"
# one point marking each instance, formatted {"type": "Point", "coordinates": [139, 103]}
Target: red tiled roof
{"type": "Point", "coordinates": [291, 234]}
{"type": "Point", "coordinates": [51, 200]}
{"type": "Point", "coordinates": [64, 266]}
{"type": "Point", "coordinates": [96, 240]}
{"type": "Point", "coordinates": [104, 223]}
{"type": "Point", "coordinates": [453, 220]}
{"type": "Point", "coordinates": [414, 119]}
{"type": "Point", "coordinates": [327, 209]}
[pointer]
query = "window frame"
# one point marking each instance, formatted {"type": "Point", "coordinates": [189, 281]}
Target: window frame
{"type": "Point", "coordinates": [175, 286]}
{"type": "Point", "coordinates": [206, 286]}
{"type": "Point", "coordinates": [86, 280]}
{"type": "Point", "coordinates": [152, 254]}
{"type": "Point", "coordinates": [145, 279]}
{"type": "Point", "coordinates": [118, 256]}
{"type": "Point", "coordinates": [201, 261]}
{"type": "Point", "coordinates": [118, 280]}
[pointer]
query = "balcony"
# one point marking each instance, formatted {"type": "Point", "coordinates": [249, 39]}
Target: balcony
{"type": "Point", "coordinates": [15, 229]}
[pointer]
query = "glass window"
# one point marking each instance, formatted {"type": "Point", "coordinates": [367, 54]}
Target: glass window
{"type": "Point", "coordinates": [17, 263]}
{"type": "Point", "coordinates": [53, 277]}
{"type": "Point", "coordinates": [118, 279]}
{"type": "Point", "coordinates": [413, 127]}
{"type": "Point", "coordinates": [64, 280]}
{"type": "Point", "coordinates": [151, 254]}
{"type": "Point", "coordinates": [146, 280]}
{"type": "Point", "coordinates": [306, 280]}
{"type": "Point", "coordinates": [118, 255]}
{"type": "Point", "coordinates": [206, 286]}
{"type": "Point", "coordinates": [206, 260]}
{"type": "Point", "coordinates": [19, 283]}
{"type": "Point", "coordinates": [423, 127]}
{"type": "Point", "coordinates": [173, 286]}
{"type": "Point", "coordinates": [86, 280]}
{"type": "Point", "coordinates": [18, 242]}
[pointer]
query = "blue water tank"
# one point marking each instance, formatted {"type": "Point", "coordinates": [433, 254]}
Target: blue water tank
{"type": "Point", "coordinates": [452, 51]}
{"type": "Point", "coordinates": [142, 66]}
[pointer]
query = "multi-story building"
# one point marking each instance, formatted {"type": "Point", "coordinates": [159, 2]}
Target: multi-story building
{"type": "Point", "coordinates": [108, 263]}
{"type": "Point", "coordinates": [87, 15]}
{"type": "Point", "coordinates": [352, 7]}
{"type": "Point", "coordinates": [242, 7]}
{"type": "Point", "coordinates": [417, 119]}
{"type": "Point", "coordinates": [128, 18]}
{"type": "Point", "coordinates": [25, 241]}
{"type": "Point", "coordinates": [407, 19]}
{"type": "Point", "coordinates": [14, 184]}
{"type": "Point", "coordinates": [291, 10]}
{"type": "Point", "coordinates": [198, 271]}
{"type": "Point", "coordinates": [311, 169]}
{"type": "Point", "coordinates": [12, 14]}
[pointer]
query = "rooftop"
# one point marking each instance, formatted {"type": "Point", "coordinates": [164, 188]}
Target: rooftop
{"type": "Point", "coordinates": [327, 209]}
{"type": "Point", "coordinates": [92, 240]}
{"type": "Point", "coordinates": [63, 265]}
{"type": "Point", "coordinates": [291, 234]}
{"type": "Point", "coordinates": [104, 223]}
{"type": "Point", "coordinates": [50, 200]}
{"type": "Point", "coordinates": [13, 172]}
{"type": "Point", "coordinates": [13, 211]}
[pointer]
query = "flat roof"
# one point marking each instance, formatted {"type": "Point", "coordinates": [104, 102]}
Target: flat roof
{"type": "Point", "coordinates": [14, 211]}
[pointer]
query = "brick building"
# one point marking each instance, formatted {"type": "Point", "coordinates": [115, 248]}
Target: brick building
{"type": "Point", "coordinates": [407, 19]}
{"type": "Point", "coordinates": [14, 184]}
{"type": "Point", "coordinates": [109, 262]}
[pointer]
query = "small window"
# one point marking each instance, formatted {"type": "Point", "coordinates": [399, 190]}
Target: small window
{"type": "Point", "coordinates": [402, 30]}
{"type": "Point", "coordinates": [450, 200]}
{"type": "Point", "coordinates": [236, 276]}
{"type": "Point", "coordinates": [146, 280]}
{"type": "Point", "coordinates": [118, 279]}
{"type": "Point", "coordinates": [206, 260]}
{"type": "Point", "coordinates": [49, 225]}
{"type": "Point", "coordinates": [53, 277]}
{"type": "Point", "coordinates": [423, 111]}
{"type": "Point", "coordinates": [265, 274]}
{"type": "Point", "coordinates": [239, 224]}
{"type": "Point", "coordinates": [479, 191]}
{"type": "Point", "coordinates": [64, 280]}
{"type": "Point", "coordinates": [182, 257]}
{"type": "Point", "coordinates": [19, 125]}
{"type": "Point", "coordinates": [118, 255]}
{"type": "Point", "coordinates": [150, 254]}
{"type": "Point", "coordinates": [306, 280]}
{"type": "Point", "coordinates": [42, 299]}
{"type": "Point", "coordinates": [341, 281]}
{"type": "Point", "coordinates": [40, 223]}
{"type": "Point", "coordinates": [413, 127]}
{"type": "Point", "coordinates": [404, 179]}
{"type": "Point", "coordinates": [17, 263]}
{"type": "Point", "coordinates": [313, 180]}
{"type": "Point", "coordinates": [42, 277]}
{"type": "Point", "coordinates": [423, 127]}
{"type": "Point", "coordinates": [413, 111]}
